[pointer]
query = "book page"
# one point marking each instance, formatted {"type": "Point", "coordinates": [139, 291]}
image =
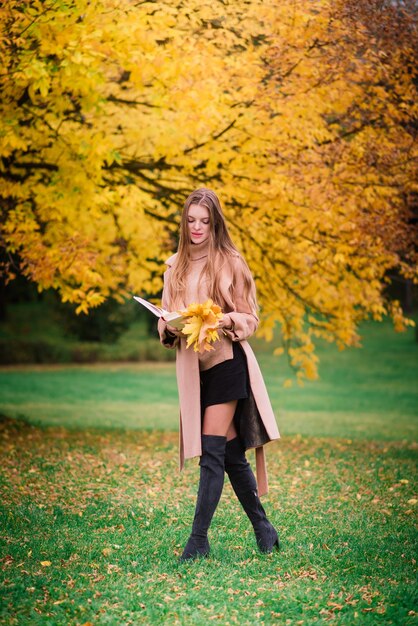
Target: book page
{"type": "Point", "coordinates": [158, 311]}
{"type": "Point", "coordinates": [173, 318]}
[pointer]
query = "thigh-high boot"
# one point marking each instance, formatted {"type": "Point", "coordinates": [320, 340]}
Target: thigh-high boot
{"type": "Point", "coordinates": [212, 471]}
{"type": "Point", "coordinates": [245, 486]}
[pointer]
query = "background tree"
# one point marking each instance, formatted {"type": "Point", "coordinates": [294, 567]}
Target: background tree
{"type": "Point", "coordinates": [301, 116]}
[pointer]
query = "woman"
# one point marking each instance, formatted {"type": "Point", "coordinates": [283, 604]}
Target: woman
{"type": "Point", "coordinates": [224, 406]}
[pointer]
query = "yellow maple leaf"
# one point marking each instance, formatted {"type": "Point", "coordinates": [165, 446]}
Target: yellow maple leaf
{"type": "Point", "coordinates": [202, 322]}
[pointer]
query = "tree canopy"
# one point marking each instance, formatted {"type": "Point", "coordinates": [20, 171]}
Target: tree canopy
{"type": "Point", "coordinates": [301, 116]}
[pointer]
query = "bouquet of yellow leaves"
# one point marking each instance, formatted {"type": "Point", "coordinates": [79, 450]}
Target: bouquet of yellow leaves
{"type": "Point", "coordinates": [201, 323]}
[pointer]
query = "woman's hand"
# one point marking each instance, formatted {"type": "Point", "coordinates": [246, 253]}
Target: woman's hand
{"type": "Point", "coordinates": [225, 322]}
{"type": "Point", "coordinates": [172, 329]}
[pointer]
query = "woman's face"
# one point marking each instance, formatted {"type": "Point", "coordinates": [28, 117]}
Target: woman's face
{"type": "Point", "coordinates": [198, 222]}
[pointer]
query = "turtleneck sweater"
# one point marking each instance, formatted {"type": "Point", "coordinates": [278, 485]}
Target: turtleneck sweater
{"type": "Point", "coordinates": [197, 291]}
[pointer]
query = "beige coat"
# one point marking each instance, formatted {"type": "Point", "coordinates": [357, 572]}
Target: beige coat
{"type": "Point", "coordinates": [257, 424]}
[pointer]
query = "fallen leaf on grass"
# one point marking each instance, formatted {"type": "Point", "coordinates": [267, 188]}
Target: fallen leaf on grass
{"type": "Point", "coordinates": [113, 568]}
{"type": "Point", "coordinates": [45, 563]}
{"type": "Point", "coordinates": [98, 578]}
{"type": "Point", "coordinates": [349, 599]}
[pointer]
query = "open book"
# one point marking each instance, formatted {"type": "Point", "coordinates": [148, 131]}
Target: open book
{"type": "Point", "coordinates": [174, 318]}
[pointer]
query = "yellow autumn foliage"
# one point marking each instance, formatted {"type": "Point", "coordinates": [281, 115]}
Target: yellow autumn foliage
{"type": "Point", "coordinates": [301, 116]}
{"type": "Point", "coordinates": [202, 320]}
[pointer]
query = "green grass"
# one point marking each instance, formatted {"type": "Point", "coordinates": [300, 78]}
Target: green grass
{"type": "Point", "coordinates": [366, 392]}
{"type": "Point", "coordinates": [95, 513]}
{"type": "Point", "coordinates": [93, 524]}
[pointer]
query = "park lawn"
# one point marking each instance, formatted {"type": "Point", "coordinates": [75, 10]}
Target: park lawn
{"type": "Point", "coordinates": [95, 513]}
{"type": "Point", "coordinates": [93, 523]}
{"type": "Point", "coordinates": [370, 392]}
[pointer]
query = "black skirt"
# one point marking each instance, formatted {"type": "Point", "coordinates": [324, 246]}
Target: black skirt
{"type": "Point", "coordinates": [225, 381]}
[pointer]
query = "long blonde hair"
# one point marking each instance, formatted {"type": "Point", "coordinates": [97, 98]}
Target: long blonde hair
{"type": "Point", "coordinates": [221, 252]}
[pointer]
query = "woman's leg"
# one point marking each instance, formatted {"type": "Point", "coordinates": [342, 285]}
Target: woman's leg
{"type": "Point", "coordinates": [217, 424]}
{"type": "Point", "coordinates": [245, 486]}
{"type": "Point", "coordinates": [218, 419]}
